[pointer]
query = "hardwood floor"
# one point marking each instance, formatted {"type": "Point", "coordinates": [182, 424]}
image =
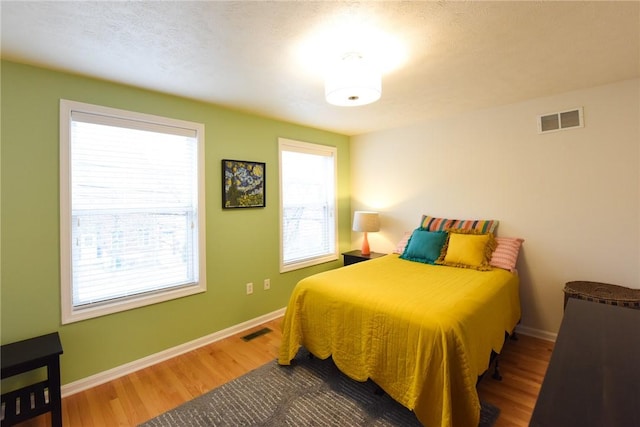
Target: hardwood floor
{"type": "Point", "coordinates": [137, 397]}
{"type": "Point", "coordinates": [523, 364]}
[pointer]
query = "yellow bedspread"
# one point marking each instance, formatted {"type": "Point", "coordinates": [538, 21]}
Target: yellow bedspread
{"type": "Point", "coordinates": [422, 333]}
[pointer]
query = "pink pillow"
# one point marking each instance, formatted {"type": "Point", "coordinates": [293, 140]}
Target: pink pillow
{"type": "Point", "coordinates": [402, 243]}
{"type": "Point", "coordinates": [506, 253]}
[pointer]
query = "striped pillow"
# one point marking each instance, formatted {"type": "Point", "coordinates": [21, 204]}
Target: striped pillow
{"type": "Point", "coordinates": [402, 243]}
{"type": "Point", "coordinates": [430, 223]}
{"type": "Point", "coordinates": [506, 254]}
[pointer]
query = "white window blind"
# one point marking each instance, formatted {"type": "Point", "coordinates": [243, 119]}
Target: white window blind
{"type": "Point", "coordinates": [308, 204]}
{"type": "Point", "coordinates": [131, 217]}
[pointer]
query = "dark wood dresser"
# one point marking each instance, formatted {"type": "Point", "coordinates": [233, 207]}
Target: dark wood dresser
{"type": "Point", "coordinates": [593, 378]}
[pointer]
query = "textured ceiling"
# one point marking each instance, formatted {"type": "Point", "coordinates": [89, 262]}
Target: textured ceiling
{"type": "Point", "coordinates": [267, 57]}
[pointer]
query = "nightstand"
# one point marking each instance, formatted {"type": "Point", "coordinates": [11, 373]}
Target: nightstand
{"type": "Point", "coordinates": [356, 256]}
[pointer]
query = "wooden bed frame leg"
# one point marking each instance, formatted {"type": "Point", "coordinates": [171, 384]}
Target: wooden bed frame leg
{"type": "Point", "coordinates": [496, 368]}
{"type": "Point", "coordinates": [496, 371]}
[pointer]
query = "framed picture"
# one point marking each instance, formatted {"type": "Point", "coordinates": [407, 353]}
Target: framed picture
{"type": "Point", "coordinates": [243, 184]}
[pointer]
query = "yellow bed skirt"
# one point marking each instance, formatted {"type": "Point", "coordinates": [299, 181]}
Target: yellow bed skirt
{"type": "Point", "coordinates": [422, 333]}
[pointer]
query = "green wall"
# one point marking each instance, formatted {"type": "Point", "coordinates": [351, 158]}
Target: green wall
{"type": "Point", "coordinates": [242, 245]}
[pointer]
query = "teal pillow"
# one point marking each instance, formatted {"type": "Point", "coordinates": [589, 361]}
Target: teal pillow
{"type": "Point", "coordinates": [424, 246]}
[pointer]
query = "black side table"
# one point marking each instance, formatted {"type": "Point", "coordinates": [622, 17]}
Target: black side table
{"type": "Point", "coordinates": [353, 257]}
{"type": "Point", "coordinates": [39, 398]}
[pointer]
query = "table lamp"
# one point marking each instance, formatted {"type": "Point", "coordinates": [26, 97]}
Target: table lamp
{"type": "Point", "coordinates": [366, 222]}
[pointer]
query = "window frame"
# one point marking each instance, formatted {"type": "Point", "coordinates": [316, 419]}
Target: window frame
{"type": "Point", "coordinates": [285, 144]}
{"type": "Point", "coordinates": [70, 314]}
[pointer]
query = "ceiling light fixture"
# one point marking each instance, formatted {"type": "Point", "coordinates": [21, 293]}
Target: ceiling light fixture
{"type": "Point", "coordinates": [353, 81]}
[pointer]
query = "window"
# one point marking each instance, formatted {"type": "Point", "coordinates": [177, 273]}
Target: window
{"type": "Point", "coordinates": [131, 210]}
{"type": "Point", "coordinates": [308, 217]}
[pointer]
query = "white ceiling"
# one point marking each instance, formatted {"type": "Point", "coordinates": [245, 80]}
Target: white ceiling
{"type": "Point", "coordinates": [267, 57]}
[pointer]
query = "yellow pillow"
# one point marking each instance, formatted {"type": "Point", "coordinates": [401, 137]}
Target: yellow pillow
{"type": "Point", "coordinates": [467, 249]}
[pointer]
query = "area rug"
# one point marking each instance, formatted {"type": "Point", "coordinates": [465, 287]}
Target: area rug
{"type": "Point", "coordinates": [310, 392]}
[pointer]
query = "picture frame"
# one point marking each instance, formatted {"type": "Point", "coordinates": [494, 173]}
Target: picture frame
{"type": "Point", "coordinates": [243, 184]}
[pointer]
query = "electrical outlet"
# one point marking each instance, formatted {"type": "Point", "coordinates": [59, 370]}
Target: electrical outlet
{"type": "Point", "coordinates": [267, 284]}
{"type": "Point", "coordinates": [249, 288]}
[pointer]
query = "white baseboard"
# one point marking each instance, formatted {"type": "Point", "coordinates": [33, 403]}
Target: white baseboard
{"type": "Point", "coordinates": [537, 333]}
{"type": "Point", "coordinates": [119, 371]}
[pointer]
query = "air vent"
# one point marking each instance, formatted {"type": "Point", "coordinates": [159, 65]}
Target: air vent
{"type": "Point", "coordinates": [563, 120]}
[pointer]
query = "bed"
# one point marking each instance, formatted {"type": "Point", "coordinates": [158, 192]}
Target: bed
{"type": "Point", "coordinates": [422, 332]}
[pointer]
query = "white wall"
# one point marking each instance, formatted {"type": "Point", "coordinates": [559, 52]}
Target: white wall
{"type": "Point", "coordinates": [573, 195]}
